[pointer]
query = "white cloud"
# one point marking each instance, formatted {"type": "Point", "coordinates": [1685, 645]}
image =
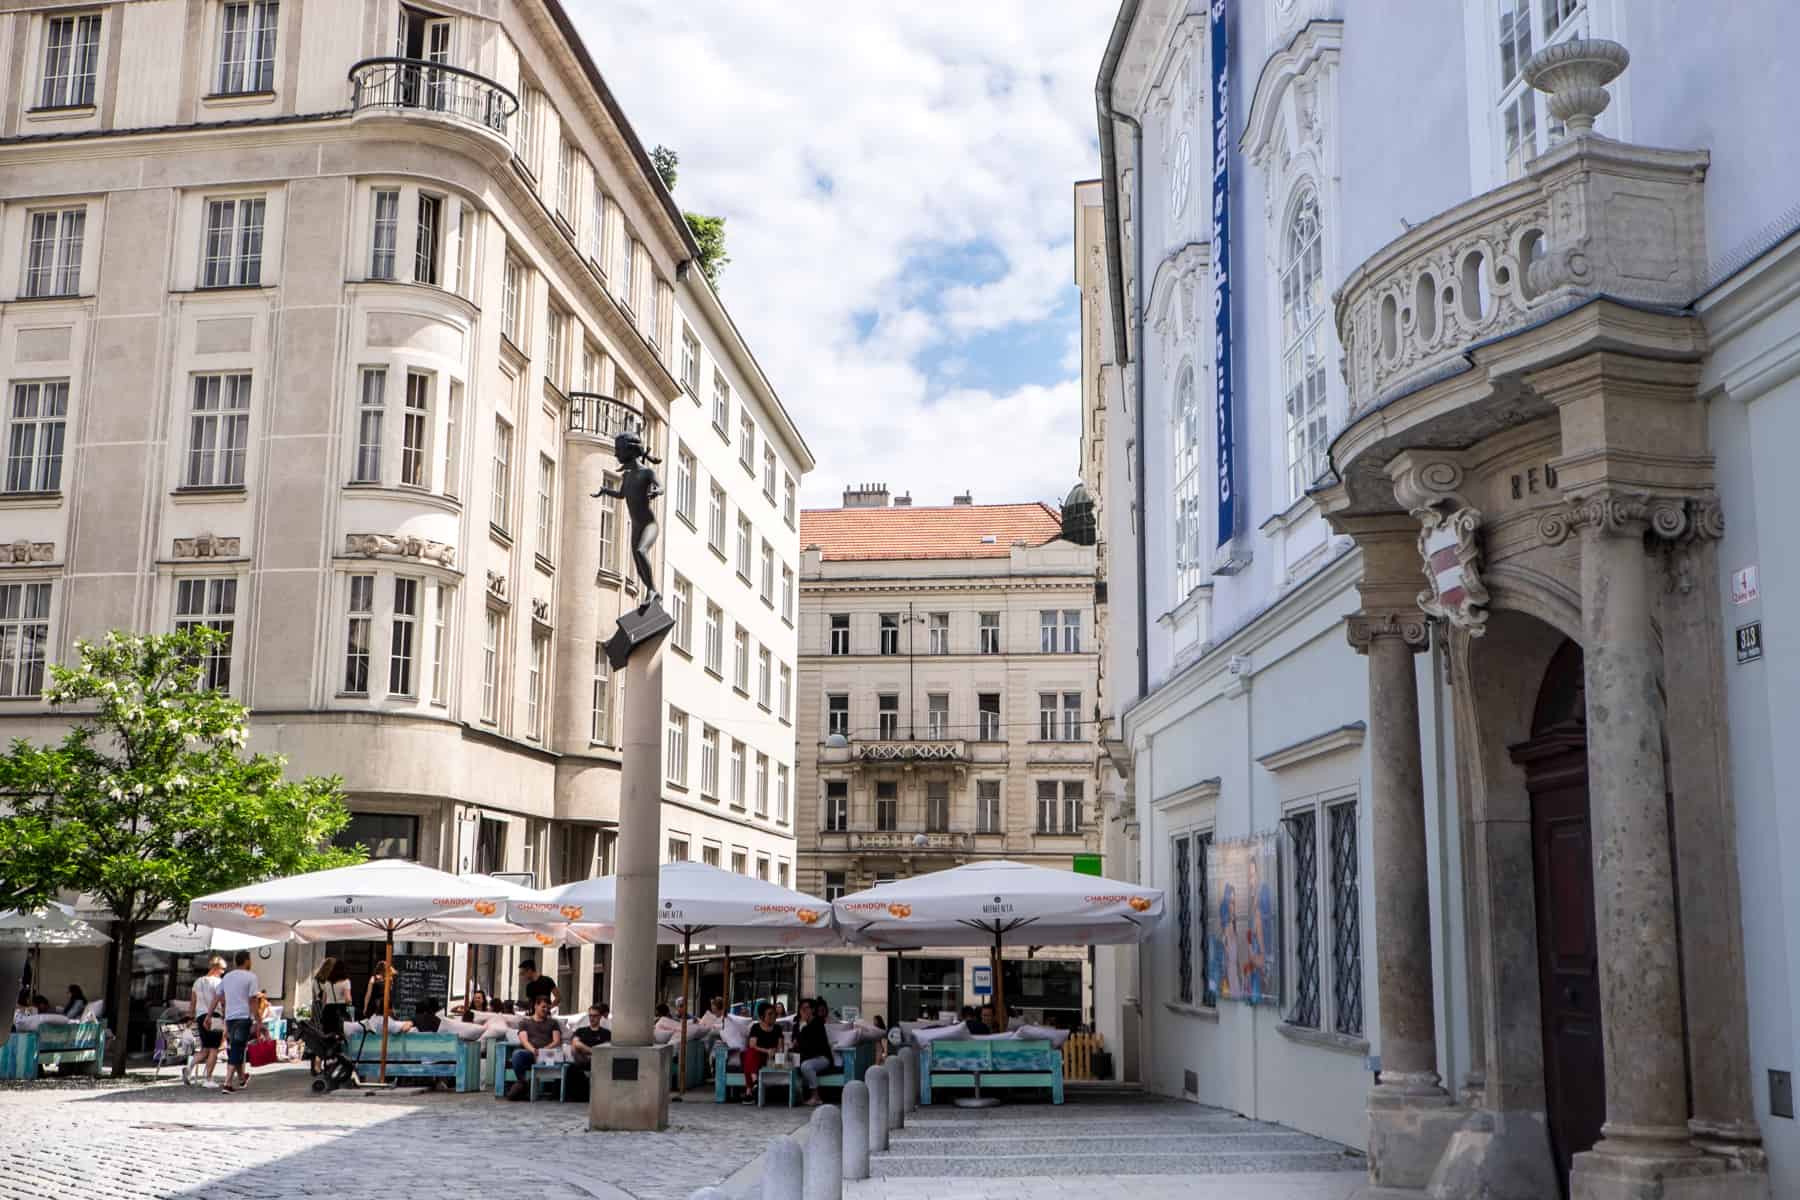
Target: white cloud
{"type": "Point", "coordinates": [935, 125]}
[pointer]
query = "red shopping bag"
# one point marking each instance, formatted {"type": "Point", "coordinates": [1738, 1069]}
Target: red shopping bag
{"type": "Point", "coordinates": [261, 1052]}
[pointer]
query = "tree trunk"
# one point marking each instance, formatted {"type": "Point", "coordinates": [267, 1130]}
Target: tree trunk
{"type": "Point", "coordinates": [12, 973]}
{"type": "Point", "coordinates": [124, 942]}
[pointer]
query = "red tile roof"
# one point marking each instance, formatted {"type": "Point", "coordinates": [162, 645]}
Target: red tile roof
{"type": "Point", "coordinates": [955, 531]}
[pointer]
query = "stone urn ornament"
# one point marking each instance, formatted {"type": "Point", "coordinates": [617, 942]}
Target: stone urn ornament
{"type": "Point", "coordinates": [1573, 75]}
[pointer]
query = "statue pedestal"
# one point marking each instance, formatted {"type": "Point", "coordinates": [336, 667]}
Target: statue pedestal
{"type": "Point", "coordinates": [637, 627]}
{"type": "Point", "coordinates": [630, 1088]}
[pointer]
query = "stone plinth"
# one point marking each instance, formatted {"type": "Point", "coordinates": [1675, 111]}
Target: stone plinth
{"type": "Point", "coordinates": [630, 1087]}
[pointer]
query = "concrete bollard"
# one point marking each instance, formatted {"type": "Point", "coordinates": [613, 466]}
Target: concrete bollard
{"type": "Point", "coordinates": [824, 1169]}
{"type": "Point", "coordinates": [878, 1106]}
{"type": "Point", "coordinates": [909, 1072]}
{"type": "Point", "coordinates": [782, 1170]}
{"type": "Point", "coordinates": [896, 1082]}
{"type": "Point", "coordinates": [856, 1130]}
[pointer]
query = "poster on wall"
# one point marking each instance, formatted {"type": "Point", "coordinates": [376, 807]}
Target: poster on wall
{"type": "Point", "coordinates": [1243, 919]}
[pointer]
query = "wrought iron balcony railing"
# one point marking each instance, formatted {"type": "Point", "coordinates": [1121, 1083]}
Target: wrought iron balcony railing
{"type": "Point", "coordinates": [603, 416]}
{"type": "Point", "coordinates": [949, 750]}
{"type": "Point", "coordinates": [416, 85]}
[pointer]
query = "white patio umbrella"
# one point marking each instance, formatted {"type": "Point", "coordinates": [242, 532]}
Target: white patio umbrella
{"type": "Point", "coordinates": [372, 899]}
{"type": "Point", "coordinates": [694, 901]}
{"type": "Point", "coordinates": [179, 938]}
{"type": "Point", "coordinates": [52, 925]}
{"type": "Point", "coordinates": [995, 903]}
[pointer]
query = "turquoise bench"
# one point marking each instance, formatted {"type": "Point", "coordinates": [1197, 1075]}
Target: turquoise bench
{"type": "Point", "coordinates": [499, 1059]}
{"type": "Point", "coordinates": [996, 1064]}
{"type": "Point", "coordinates": [853, 1063]}
{"type": "Point", "coordinates": [419, 1056]}
{"type": "Point", "coordinates": [52, 1047]}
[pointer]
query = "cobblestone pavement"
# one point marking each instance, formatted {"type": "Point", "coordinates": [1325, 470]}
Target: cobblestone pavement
{"type": "Point", "coordinates": [1106, 1148]}
{"type": "Point", "coordinates": [71, 1138]}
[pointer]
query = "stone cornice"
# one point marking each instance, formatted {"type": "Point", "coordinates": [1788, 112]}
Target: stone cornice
{"type": "Point", "coordinates": [1194, 793]}
{"type": "Point", "coordinates": [1317, 41]}
{"type": "Point", "coordinates": [1344, 737]}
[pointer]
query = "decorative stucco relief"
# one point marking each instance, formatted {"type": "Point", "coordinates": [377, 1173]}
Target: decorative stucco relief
{"type": "Point", "coordinates": [386, 545]}
{"type": "Point", "coordinates": [23, 551]}
{"type": "Point", "coordinates": [207, 545]}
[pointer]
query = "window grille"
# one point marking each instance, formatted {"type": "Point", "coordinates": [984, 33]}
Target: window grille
{"type": "Point", "coordinates": [1346, 927]}
{"type": "Point", "coordinates": [1303, 837]}
{"type": "Point", "coordinates": [1184, 916]}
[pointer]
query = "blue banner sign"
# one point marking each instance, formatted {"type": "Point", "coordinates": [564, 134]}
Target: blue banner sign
{"type": "Point", "coordinates": [1224, 417]}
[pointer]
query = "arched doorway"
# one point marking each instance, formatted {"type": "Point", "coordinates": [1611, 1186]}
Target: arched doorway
{"type": "Point", "coordinates": [1556, 774]}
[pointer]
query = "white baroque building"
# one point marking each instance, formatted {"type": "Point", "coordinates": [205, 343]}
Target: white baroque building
{"type": "Point", "coordinates": [317, 322]}
{"type": "Point", "coordinates": [1434, 366]}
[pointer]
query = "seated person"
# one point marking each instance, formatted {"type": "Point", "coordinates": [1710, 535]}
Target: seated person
{"type": "Point", "coordinates": [714, 1016]}
{"type": "Point", "coordinates": [475, 1007]}
{"type": "Point", "coordinates": [425, 1016]}
{"type": "Point", "coordinates": [582, 1041]}
{"type": "Point", "coordinates": [814, 1047]}
{"type": "Point", "coordinates": [537, 1033]}
{"type": "Point", "coordinates": [982, 1024]}
{"type": "Point", "coordinates": [77, 1002]}
{"type": "Point", "coordinates": [765, 1038]}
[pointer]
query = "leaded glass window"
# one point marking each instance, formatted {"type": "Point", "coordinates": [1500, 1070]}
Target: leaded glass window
{"type": "Point", "coordinates": [1209, 995]}
{"type": "Point", "coordinates": [1346, 928]}
{"type": "Point", "coordinates": [1302, 830]}
{"type": "Point", "coordinates": [1303, 344]}
{"type": "Point", "coordinates": [1184, 916]}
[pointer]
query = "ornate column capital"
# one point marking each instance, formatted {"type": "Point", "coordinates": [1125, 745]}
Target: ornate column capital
{"type": "Point", "coordinates": [1616, 513]}
{"type": "Point", "coordinates": [1408, 625]}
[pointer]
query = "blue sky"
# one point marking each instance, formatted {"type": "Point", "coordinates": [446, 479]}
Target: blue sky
{"type": "Point", "coordinates": [897, 181]}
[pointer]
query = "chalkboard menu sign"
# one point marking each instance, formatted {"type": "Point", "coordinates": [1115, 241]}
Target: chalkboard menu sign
{"type": "Point", "coordinates": [420, 977]}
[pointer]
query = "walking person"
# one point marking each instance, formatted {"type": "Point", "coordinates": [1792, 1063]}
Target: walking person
{"type": "Point", "coordinates": [233, 1000]}
{"type": "Point", "coordinates": [212, 1029]}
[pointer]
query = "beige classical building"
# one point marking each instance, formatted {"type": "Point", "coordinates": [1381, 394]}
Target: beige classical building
{"type": "Point", "coordinates": [947, 676]}
{"type": "Point", "coordinates": [317, 323]}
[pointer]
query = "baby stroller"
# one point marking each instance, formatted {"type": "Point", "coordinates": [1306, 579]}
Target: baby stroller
{"type": "Point", "coordinates": [335, 1068]}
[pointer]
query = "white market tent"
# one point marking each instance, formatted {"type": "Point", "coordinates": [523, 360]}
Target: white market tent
{"type": "Point", "coordinates": [998, 903]}
{"type": "Point", "coordinates": [369, 900]}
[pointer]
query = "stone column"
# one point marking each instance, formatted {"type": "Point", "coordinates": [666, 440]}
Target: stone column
{"type": "Point", "coordinates": [1634, 888]}
{"type": "Point", "coordinates": [640, 818]}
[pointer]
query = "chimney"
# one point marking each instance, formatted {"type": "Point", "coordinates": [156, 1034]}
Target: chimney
{"type": "Point", "coordinates": [965, 498]}
{"type": "Point", "coordinates": [904, 501]}
{"type": "Point", "coordinates": [866, 495]}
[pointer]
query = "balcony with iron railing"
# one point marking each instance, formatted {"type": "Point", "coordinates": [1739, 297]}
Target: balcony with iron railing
{"type": "Point", "coordinates": [416, 89]}
{"type": "Point", "coordinates": [603, 416]}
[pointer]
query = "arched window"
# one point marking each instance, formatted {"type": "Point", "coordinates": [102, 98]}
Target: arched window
{"type": "Point", "coordinates": [1303, 345]}
{"type": "Point", "coordinates": [1189, 538]}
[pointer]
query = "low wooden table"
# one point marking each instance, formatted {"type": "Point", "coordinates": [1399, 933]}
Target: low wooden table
{"type": "Point", "coordinates": [768, 1075]}
{"type": "Point", "coordinates": [543, 1072]}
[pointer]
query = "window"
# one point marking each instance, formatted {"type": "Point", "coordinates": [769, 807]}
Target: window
{"type": "Point", "coordinates": [1302, 831]}
{"type": "Point", "coordinates": [1047, 717]}
{"type": "Point", "coordinates": [627, 268]}
{"type": "Point", "coordinates": [1059, 818]}
{"type": "Point", "coordinates": [1071, 728]}
{"type": "Point", "coordinates": [493, 635]}
{"type": "Point", "coordinates": [938, 629]}
{"type": "Point", "coordinates": [676, 750]}
{"type": "Point", "coordinates": [765, 681]}
{"type": "Point", "coordinates": [71, 61]}
{"type": "Point", "coordinates": [740, 665]}
{"type": "Point", "coordinates": [53, 254]}
{"type": "Point", "coordinates": [1346, 927]}
{"type": "Point", "coordinates": [34, 436]}
{"type": "Point", "coordinates": [1303, 345]}
{"type": "Point", "coordinates": [425, 238]}
{"type": "Point", "coordinates": [556, 344]}
{"type": "Point", "coordinates": [24, 637]}
{"type": "Point", "coordinates": [1071, 631]}
{"type": "Point", "coordinates": [678, 849]}
{"type": "Point", "coordinates": [526, 133]}
{"type": "Point", "coordinates": [401, 636]}
{"type": "Point", "coordinates": [837, 714]}
{"type": "Point", "coordinates": [511, 296]}
{"type": "Point", "coordinates": [452, 441]}
{"type": "Point", "coordinates": [247, 47]}
{"type": "Point", "coordinates": [234, 237]}
{"type": "Point", "coordinates": [1190, 535]}
{"type": "Point", "coordinates": [709, 855]}
{"type": "Point", "coordinates": [715, 639]}
{"type": "Point", "coordinates": [787, 593]}
{"type": "Point", "coordinates": [385, 236]}
{"type": "Point", "coordinates": [837, 805]}
{"type": "Point", "coordinates": [371, 407]}
{"type": "Point", "coordinates": [835, 886]}
{"type": "Point", "coordinates": [565, 182]}
{"type": "Point", "coordinates": [715, 521]}
{"type": "Point", "coordinates": [721, 413]}
{"type": "Point", "coordinates": [937, 716]}
{"type": "Point", "coordinates": [987, 705]}
{"type": "Point", "coordinates": [990, 633]}
{"type": "Point", "coordinates": [415, 431]}
{"type": "Point", "coordinates": [609, 536]}
{"type": "Point", "coordinates": [887, 716]}
{"type": "Point", "coordinates": [681, 599]}
{"type": "Point", "coordinates": [890, 633]}
{"type": "Point", "coordinates": [937, 806]}
{"type": "Point", "coordinates": [210, 604]}
{"type": "Point", "coordinates": [361, 610]}
{"type": "Point", "coordinates": [709, 762]}
{"type": "Point", "coordinates": [536, 676]}
{"type": "Point", "coordinates": [546, 508]}
{"type": "Point", "coordinates": [743, 557]}
{"type": "Point", "coordinates": [785, 709]}
{"type": "Point", "coordinates": [747, 442]}
{"type": "Point", "coordinates": [887, 805]}
{"type": "Point", "coordinates": [738, 782]}
{"type": "Point", "coordinates": [600, 713]}
{"type": "Point", "coordinates": [685, 482]}
{"type": "Point", "coordinates": [762, 785]}
{"type": "Point", "coordinates": [762, 867]}
{"type": "Point", "coordinates": [769, 474]}
{"type": "Point", "coordinates": [840, 633]}
{"type": "Point", "coordinates": [1047, 632]}
{"type": "Point", "coordinates": [440, 644]}
{"type": "Point", "coordinates": [1074, 792]}
{"type": "Point", "coordinates": [781, 793]}
{"type": "Point", "coordinates": [388, 835]}
{"type": "Point", "coordinates": [690, 360]}
{"type": "Point", "coordinates": [219, 431]}
{"type": "Point", "coordinates": [740, 862]}
{"type": "Point", "coordinates": [768, 574]}
{"type": "Point", "coordinates": [502, 513]}
{"type": "Point", "coordinates": [987, 806]}
{"type": "Point", "coordinates": [781, 874]}
{"type": "Point", "coordinates": [788, 500]}
{"type": "Point", "coordinates": [1524, 135]}
{"type": "Point", "coordinates": [1183, 847]}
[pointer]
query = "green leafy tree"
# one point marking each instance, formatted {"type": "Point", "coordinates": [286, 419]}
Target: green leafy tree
{"type": "Point", "coordinates": [150, 799]}
{"type": "Point", "coordinates": [709, 232]}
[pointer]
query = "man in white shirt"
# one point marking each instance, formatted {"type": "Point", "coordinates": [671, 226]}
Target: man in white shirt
{"type": "Point", "coordinates": [212, 1032]}
{"type": "Point", "coordinates": [235, 991]}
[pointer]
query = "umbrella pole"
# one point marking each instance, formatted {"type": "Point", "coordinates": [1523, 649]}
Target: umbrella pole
{"type": "Point", "coordinates": [468, 978]}
{"type": "Point", "coordinates": [730, 995]}
{"type": "Point", "coordinates": [681, 1050]}
{"type": "Point", "coordinates": [387, 1002]}
{"type": "Point", "coordinates": [999, 986]}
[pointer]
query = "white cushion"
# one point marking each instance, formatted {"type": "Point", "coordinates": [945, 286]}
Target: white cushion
{"type": "Point", "coordinates": [468, 1031]}
{"type": "Point", "coordinates": [352, 1029]}
{"type": "Point", "coordinates": [736, 1032]}
{"type": "Point", "coordinates": [927, 1036]}
{"type": "Point", "coordinates": [1043, 1033]}
{"type": "Point", "coordinates": [995, 1037]}
{"type": "Point", "coordinates": [94, 1010]}
{"type": "Point", "coordinates": [866, 1032]}
{"type": "Point", "coordinates": [841, 1036]}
